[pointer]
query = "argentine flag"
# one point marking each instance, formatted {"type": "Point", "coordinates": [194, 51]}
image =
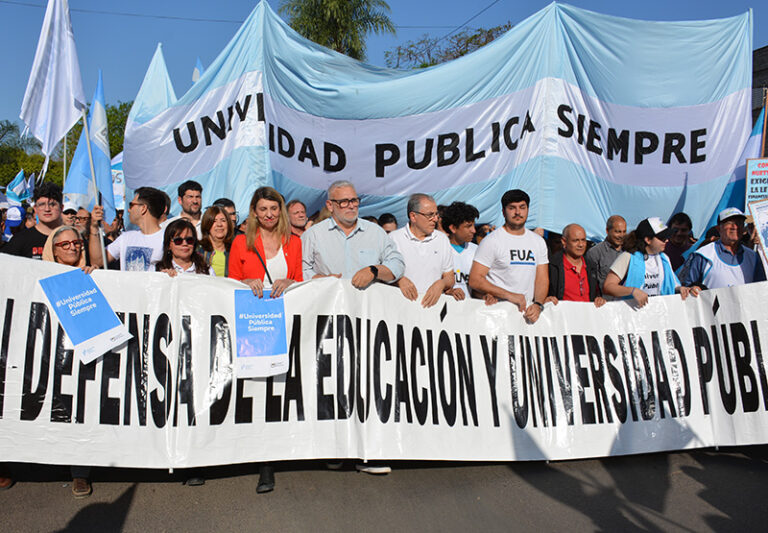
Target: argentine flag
{"type": "Point", "coordinates": [79, 187]}
{"type": "Point", "coordinates": [17, 190]}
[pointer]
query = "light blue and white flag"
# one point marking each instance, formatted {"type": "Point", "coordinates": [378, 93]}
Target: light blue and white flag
{"type": "Point", "coordinates": [54, 98]}
{"type": "Point", "coordinates": [79, 187]}
{"type": "Point", "coordinates": [197, 71]}
{"type": "Point", "coordinates": [17, 191]}
{"type": "Point", "coordinates": [590, 114]}
{"type": "Point", "coordinates": [30, 185]}
{"type": "Point", "coordinates": [118, 181]}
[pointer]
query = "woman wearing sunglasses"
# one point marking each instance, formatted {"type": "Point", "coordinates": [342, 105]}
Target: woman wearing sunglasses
{"type": "Point", "coordinates": [180, 255]}
{"type": "Point", "coordinates": [65, 246]}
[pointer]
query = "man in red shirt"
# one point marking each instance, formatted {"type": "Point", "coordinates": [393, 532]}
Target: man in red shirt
{"type": "Point", "coordinates": [571, 276]}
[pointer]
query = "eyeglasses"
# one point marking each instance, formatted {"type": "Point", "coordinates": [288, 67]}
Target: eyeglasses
{"type": "Point", "coordinates": [82, 219]}
{"type": "Point", "coordinates": [178, 241]}
{"type": "Point", "coordinates": [428, 216]}
{"type": "Point", "coordinates": [132, 204]}
{"type": "Point", "coordinates": [53, 204]}
{"type": "Point", "coordinates": [66, 245]}
{"type": "Point", "coordinates": [346, 202]}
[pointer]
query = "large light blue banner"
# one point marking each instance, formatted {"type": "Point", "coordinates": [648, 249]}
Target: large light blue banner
{"type": "Point", "coordinates": [591, 114]}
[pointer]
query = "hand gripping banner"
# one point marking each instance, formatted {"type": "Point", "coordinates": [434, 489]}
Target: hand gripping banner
{"type": "Point", "coordinates": [591, 114]}
{"type": "Point", "coordinates": [374, 376]}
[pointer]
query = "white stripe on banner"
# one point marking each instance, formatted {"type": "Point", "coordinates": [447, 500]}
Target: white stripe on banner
{"type": "Point", "coordinates": [644, 147]}
{"type": "Point", "coordinates": [375, 376]}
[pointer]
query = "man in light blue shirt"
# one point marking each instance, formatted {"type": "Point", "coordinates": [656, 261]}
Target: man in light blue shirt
{"type": "Point", "coordinates": [348, 247]}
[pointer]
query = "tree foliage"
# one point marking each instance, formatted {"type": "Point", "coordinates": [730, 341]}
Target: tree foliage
{"type": "Point", "coordinates": [429, 51]}
{"type": "Point", "coordinates": [340, 25]}
{"type": "Point", "coordinates": [117, 116]}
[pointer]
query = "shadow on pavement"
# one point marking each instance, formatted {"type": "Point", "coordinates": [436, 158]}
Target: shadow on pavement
{"type": "Point", "coordinates": [102, 516]}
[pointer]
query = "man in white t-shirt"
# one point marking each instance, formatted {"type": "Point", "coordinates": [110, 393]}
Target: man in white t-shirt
{"type": "Point", "coordinates": [136, 250]}
{"type": "Point", "coordinates": [427, 253]}
{"type": "Point", "coordinates": [191, 202]}
{"type": "Point", "coordinates": [459, 222]}
{"type": "Point", "coordinates": [511, 262]}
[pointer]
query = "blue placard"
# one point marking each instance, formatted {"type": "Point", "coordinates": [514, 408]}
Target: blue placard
{"type": "Point", "coordinates": [79, 305]}
{"type": "Point", "coordinates": [259, 325]}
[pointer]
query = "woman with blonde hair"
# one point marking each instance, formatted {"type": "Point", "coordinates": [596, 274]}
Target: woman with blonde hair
{"type": "Point", "coordinates": [268, 255]}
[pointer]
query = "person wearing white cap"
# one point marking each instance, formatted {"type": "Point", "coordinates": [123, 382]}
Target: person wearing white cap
{"type": "Point", "coordinates": [14, 218]}
{"type": "Point", "coordinates": [644, 269]}
{"type": "Point", "coordinates": [725, 262]}
{"type": "Point", "coordinates": [68, 213]}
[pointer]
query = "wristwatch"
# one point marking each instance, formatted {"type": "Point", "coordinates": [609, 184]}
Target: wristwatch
{"type": "Point", "coordinates": [375, 271]}
{"type": "Point", "coordinates": [541, 305]}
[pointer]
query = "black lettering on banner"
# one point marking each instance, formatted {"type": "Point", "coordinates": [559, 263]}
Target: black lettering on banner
{"type": "Point", "coordinates": [466, 379]}
{"type": "Point", "coordinates": [136, 368]}
{"type": "Point", "coordinates": [401, 378]}
{"type": "Point", "coordinates": [662, 382]}
{"type": "Point", "coordinates": [325, 404]}
{"type": "Point", "coordinates": [597, 371]}
{"type": "Point", "coordinates": [271, 137]}
{"type": "Point", "coordinates": [727, 392]}
{"type": "Point", "coordinates": [61, 404]}
{"type": "Point", "coordinates": [758, 359]}
{"type": "Point", "coordinates": [447, 401]}
{"type": "Point", "coordinates": [242, 112]}
{"type": "Point", "coordinates": [619, 397]}
{"type": "Point", "coordinates": [185, 385]}
{"type": "Point", "coordinates": [527, 125]}
{"type": "Point", "coordinates": [447, 149]}
{"type": "Point", "coordinates": [703, 349]}
{"type": "Point", "coordinates": [420, 401]}
{"type": "Point", "coordinates": [218, 128]}
{"type": "Point", "coordinates": [243, 404]}
{"type": "Point", "coordinates": [593, 138]}
{"type": "Point", "coordinates": [426, 158]}
{"type": "Point", "coordinates": [684, 397]}
{"type": "Point", "coordinates": [564, 379]}
{"type": "Point", "coordinates": [535, 382]}
{"type": "Point", "coordinates": [432, 382]}
{"type": "Point", "coordinates": [618, 145]}
{"type": "Point", "coordinates": [220, 351]}
{"type": "Point", "coordinates": [471, 155]}
{"type": "Point", "coordinates": [632, 396]}
{"type": "Point", "coordinates": [646, 142]}
{"type": "Point", "coordinates": [363, 404]}
{"type": "Point", "coordinates": [193, 141]}
{"type": "Point", "coordinates": [582, 373]}
{"type": "Point", "coordinates": [673, 144]}
{"type": "Point", "coordinates": [109, 412]}
{"type": "Point", "coordinates": [750, 399]}
{"type": "Point", "coordinates": [32, 398]}
{"type": "Point", "coordinates": [697, 144]}
{"type": "Point", "coordinates": [287, 149]}
{"type": "Point", "coordinates": [6, 339]}
{"type": "Point", "coordinates": [307, 151]}
{"type": "Point", "coordinates": [387, 154]}
{"type": "Point", "coordinates": [293, 391]}
{"type": "Point", "coordinates": [85, 374]}
{"type": "Point", "coordinates": [512, 145]}
{"type": "Point", "coordinates": [330, 151]}
{"type": "Point", "coordinates": [562, 113]}
{"type": "Point", "coordinates": [517, 382]}
{"type": "Point", "coordinates": [345, 400]}
{"type": "Point", "coordinates": [272, 404]}
{"type": "Point", "coordinates": [161, 406]}
{"type": "Point", "coordinates": [550, 384]}
{"type": "Point", "coordinates": [644, 377]}
{"type": "Point", "coordinates": [489, 356]}
{"type": "Point", "coordinates": [580, 128]}
{"type": "Point", "coordinates": [383, 403]}
{"type": "Point", "coordinates": [495, 131]}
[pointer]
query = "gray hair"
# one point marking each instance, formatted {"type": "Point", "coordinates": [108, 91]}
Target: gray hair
{"type": "Point", "coordinates": [338, 184]}
{"type": "Point", "coordinates": [414, 200]}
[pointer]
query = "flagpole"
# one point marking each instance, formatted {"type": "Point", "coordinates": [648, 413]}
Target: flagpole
{"type": "Point", "coordinates": [95, 187]}
{"type": "Point", "coordinates": [64, 177]}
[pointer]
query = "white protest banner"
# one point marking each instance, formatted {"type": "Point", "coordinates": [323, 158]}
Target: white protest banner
{"type": "Point", "coordinates": [375, 376]}
{"type": "Point", "coordinates": [84, 313]}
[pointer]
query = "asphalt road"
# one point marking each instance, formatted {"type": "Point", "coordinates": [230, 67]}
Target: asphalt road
{"type": "Point", "coordinates": [704, 490]}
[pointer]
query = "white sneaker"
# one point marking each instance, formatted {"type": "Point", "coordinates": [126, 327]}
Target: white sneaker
{"type": "Point", "coordinates": [379, 469]}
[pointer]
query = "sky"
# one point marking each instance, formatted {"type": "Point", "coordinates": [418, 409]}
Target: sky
{"type": "Point", "coordinates": [120, 37]}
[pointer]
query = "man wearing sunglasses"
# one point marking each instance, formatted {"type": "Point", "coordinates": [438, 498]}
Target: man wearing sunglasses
{"type": "Point", "coordinates": [30, 242]}
{"type": "Point", "coordinates": [571, 276]}
{"type": "Point", "coordinates": [427, 253]}
{"type": "Point", "coordinates": [136, 250]}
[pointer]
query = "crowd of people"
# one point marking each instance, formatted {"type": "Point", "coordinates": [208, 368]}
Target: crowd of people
{"type": "Point", "coordinates": [441, 250]}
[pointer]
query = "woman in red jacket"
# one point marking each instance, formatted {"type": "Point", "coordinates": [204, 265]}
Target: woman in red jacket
{"type": "Point", "coordinates": [267, 256]}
